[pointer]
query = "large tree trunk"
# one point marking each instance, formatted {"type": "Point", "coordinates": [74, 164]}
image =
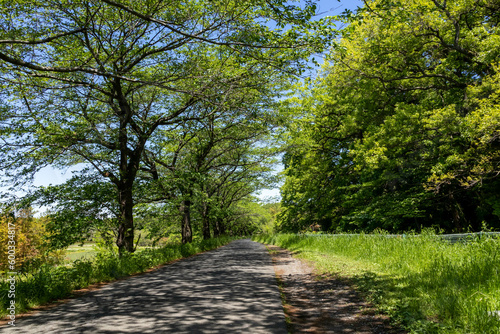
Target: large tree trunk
{"type": "Point", "coordinates": [128, 170]}
{"type": "Point", "coordinates": [206, 221]}
{"type": "Point", "coordinates": [187, 233]}
{"type": "Point", "coordinates": [125, 238]}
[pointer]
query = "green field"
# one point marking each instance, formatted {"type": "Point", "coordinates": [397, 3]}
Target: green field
{"type": "Point", "coordinates": [423, 283]}
{"type": "Point", "coordinates": [77, 252]}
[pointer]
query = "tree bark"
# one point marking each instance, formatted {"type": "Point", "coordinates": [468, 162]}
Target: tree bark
{"type": "Point", "coordinates": [125, 238]}
{"type": "Point", "coordinates": [206, 221]}
{"type": "Point", "coordinates": [457, 214]}
{"type": "Point", "coordinates": [216, 229]}
{"type": "Point", "coordinates": [187, 233]}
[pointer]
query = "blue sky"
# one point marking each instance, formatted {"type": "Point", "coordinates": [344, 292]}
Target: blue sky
{"type": "Point", "coordinates": [334, 7]}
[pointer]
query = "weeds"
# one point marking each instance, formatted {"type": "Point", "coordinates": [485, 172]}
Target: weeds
{"type": "Point", "coordinates": [425, 284]}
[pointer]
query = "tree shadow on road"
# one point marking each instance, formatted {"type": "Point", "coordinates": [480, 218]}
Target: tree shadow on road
{"type": "Point", "coordinates": [229, 290]}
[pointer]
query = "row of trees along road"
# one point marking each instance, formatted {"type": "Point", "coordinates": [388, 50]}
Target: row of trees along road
{"type": "Point", "coordinates": [168, 104]}
{"type": "Point", "coordinates": [401, 129]}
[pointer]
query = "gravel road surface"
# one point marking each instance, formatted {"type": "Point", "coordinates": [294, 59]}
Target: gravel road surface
{"type": "Point", "coordinates": [229, 290]}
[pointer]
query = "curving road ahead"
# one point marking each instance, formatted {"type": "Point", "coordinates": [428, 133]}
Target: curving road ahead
{"type": "Point", "coordinates": [229, 290]}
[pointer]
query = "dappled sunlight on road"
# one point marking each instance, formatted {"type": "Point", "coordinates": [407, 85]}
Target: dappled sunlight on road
{"type": "Point", "coordinates": [229, 290]}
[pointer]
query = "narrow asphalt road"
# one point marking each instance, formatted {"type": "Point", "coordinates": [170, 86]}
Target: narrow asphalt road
{"type": "Point", "coordinates": [228, 290]}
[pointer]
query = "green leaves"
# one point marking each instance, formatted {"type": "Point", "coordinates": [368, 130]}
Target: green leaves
{"type": "Point", "coordinates": [123, 86]}
{"type": "Point", "coordinates": [399, 131]}
{"type": "Point", "coordinates": [78, 209]}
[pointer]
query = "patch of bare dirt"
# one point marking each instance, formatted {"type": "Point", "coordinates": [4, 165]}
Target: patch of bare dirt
{"type": "Point", "coordinates": [322, 304]}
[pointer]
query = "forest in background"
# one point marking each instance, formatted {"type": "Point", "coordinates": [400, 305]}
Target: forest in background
{"type": "Point", "coordinates": [400, 131]}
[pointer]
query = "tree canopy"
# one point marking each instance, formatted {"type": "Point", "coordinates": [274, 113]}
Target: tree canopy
{"type": "Point", "coordinates": [101, 82]}
{"type": "Point", "coordinates": [401, 128]}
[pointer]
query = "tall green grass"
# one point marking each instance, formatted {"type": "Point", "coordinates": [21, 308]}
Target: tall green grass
{"type": "Point", "coordinates": [53, 282]}
{"type": "Point", "coordinates": [425, 284]}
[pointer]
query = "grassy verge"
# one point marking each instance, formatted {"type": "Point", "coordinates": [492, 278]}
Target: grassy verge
{"type": "Point", "coordinates": [51, 283]}
{"type": "Point", "coordinates": [423, 283]}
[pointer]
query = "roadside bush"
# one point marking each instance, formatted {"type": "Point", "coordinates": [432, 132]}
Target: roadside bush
{"type": "Point", "coordinates": [30, 233]}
